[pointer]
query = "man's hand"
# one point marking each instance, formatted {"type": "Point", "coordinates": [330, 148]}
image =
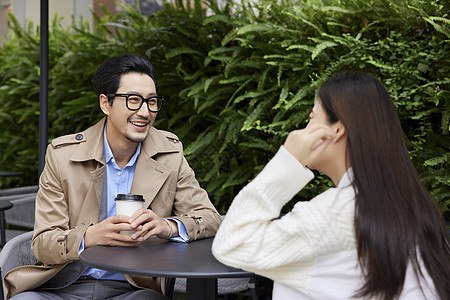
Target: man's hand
{"type": "Point", "coordinates": [107, 233]}
{"type": "Point", "coordinates": [148, 224]}
{"type": "Point", "coordinates": [307, 144]}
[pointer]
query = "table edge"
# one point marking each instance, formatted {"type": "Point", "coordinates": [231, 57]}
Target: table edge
{"type": "Point", "coordinates": [237, 274]}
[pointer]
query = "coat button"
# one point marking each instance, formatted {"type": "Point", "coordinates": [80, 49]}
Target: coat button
{"type": "Point", "coordinates": [79, 137]}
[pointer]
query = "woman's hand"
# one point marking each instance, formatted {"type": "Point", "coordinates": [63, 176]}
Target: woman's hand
{"type": "Point", "coordinates": [307, 144]}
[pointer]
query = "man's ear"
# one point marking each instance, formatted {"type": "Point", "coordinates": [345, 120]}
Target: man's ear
{"type": "Point", "coordinates": [104, 103]}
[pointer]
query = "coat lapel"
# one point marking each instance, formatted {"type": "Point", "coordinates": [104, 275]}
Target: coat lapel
{"type": "Point", "coordinates": [90, 210]}
{"type": "Point", "coordinates": [98, 177]}
{"type": "Point", "coordinates": [149, 177]}
{"type": "Point", "coordinates": [150, 174]}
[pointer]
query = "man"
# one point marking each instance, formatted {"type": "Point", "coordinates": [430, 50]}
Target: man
{"type": "Point", "coordinates": [84, 172]}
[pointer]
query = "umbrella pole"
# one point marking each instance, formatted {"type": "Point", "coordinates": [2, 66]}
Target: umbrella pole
{"type": "Point", "coordinates": [43, 96]}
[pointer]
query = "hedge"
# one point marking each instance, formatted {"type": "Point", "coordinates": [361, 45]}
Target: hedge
{"type": "Point", "coordinates": [237, 77]}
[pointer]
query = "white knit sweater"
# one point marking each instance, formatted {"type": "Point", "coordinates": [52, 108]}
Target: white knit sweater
{"type": "Point", "coordinates": [310, 253]}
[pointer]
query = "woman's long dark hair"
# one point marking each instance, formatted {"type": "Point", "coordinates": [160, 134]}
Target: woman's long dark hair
{"type": "Point", "coordinates": [397, 222]}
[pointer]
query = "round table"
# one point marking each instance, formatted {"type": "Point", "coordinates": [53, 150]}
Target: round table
{"type": "Point", "coordinates": [160, 258]}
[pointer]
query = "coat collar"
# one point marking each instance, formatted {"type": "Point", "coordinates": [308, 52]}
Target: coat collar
{"type": "Point", "coordinates": [159, 142]}
{"type": "Point", "coordinates": [91, 146]}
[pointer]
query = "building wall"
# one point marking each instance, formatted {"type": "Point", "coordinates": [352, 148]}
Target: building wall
{"type": "Point", "coordinates": [29, 10]}
{"type": "Point", "coordinates": [26, 10]}
{"type": "Point", "coordinates": [5, 7]}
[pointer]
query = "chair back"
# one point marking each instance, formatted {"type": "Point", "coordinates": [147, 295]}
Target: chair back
{"type": "Point", "coordinates": [17, 252]}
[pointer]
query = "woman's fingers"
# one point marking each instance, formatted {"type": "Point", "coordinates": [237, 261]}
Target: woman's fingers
{"type": "Point", "coordinates": [321, 136]}
{"type": "Point", "coordinates": [307, 143]}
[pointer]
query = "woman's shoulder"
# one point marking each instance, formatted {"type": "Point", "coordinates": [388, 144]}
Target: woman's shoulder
{"type": "Point", "coordinates": [331, 213]}
{"type": "Point", "coordinates": [336, 196]}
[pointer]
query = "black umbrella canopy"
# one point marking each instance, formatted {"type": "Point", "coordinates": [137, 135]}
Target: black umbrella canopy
{"type": "Point", "coordinates": [43, 96]}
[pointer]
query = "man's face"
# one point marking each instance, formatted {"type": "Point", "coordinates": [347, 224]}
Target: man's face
{"type": "Point", "coordinates": [124, 125]}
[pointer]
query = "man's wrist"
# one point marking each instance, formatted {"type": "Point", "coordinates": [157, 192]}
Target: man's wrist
{"type": "Point", "coordinates": [179, 231]}
{"type": "Point", "coordinates": [170, 229]}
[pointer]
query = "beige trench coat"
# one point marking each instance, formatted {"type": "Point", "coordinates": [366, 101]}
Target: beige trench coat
{"type": "Point", "coordinates": [70, 193]}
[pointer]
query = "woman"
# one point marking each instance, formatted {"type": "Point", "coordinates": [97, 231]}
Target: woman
{"type": "Point", "coordinates": [377, 235]}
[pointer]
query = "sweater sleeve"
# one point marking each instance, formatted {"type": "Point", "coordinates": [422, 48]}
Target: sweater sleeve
{"type": "Point", "coordinates": [253, 238]}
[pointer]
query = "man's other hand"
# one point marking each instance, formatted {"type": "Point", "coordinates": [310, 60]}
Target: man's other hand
{"type": "Point", "coordinates": [148, 224]}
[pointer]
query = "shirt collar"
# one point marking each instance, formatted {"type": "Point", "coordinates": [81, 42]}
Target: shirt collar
{"type": "Point", "coordinates": [347, 179]}
{"type": "Point", "coordinates": [109, 155]}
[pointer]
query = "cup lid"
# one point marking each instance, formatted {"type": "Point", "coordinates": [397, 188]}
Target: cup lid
{"type": "Point", "coordinates": [129, 197]}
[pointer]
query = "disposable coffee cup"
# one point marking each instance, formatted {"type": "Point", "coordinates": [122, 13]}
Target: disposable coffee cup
{"type": "Point", "coordinates": [128, 204]}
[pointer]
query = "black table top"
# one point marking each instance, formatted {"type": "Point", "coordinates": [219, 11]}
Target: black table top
{"type": "Point", "coordinates": [163, 259]}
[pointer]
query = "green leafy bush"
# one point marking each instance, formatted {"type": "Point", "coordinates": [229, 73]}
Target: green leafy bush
{"type": "Point", "coordinates": [239, 77]}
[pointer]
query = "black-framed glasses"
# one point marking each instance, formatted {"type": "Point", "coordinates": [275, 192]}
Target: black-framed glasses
{"type": "Point", "coordinates": [135, 101]}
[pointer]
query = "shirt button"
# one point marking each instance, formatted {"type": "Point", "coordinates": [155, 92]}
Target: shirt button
{"type": "Point", "coordinates": [98, 273]}
{"type": "Point", "coordinates": [118, 173]}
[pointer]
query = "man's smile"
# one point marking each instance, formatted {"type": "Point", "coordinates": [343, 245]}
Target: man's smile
{"type": "Point", "coordinates": [139, 123]}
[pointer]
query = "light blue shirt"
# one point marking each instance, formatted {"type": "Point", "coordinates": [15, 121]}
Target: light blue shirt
{"type": "Point", "coordinates": [119, 181]}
